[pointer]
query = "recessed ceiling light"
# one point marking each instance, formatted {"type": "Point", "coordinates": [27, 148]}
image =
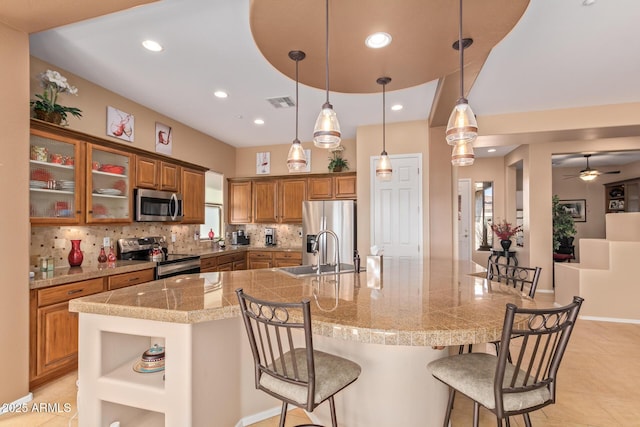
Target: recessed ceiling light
{"type": "Point", "coordinates": [491, 150]}
{"type": "Point", "coordinates": [152, 46]}
{"type": "Point", "coordinates": [588, 2]}
{"type": "Point", "coordinates": [397, 107]}
{"type": "Point", "coordinates": [258, 121]}
{"type": "Point", "coordinates": [220, 94]}
{"type": "Point", "coordinates": [378, 40]}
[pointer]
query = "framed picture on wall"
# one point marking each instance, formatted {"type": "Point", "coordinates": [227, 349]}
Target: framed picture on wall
{"type": "Point", "coordinates": [120, 124]}
{"type": "Point", "coordinates": [164, 139]}
{"type": "Point", "coordinates": [577, 208]}
{"type": "Point", "coordinates": [263, 163]}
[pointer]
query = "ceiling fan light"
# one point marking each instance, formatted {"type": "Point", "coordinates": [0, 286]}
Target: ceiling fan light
{"type": "Point", "coordinates": [296, 159]}
{"type": "Point", "coordinates": [462, 126]}
{"type": "Point", "coordinates": [589, 175]}
{"type": "Point", "coordinates": [462, 154]}
{"type": "Point", "coordinates": [383, 167]}
{"type": "Point", "coordinates": [326, 133]}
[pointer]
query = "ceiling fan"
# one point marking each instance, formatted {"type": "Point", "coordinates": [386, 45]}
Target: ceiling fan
{"type": "Point", "coordinates": [589, 174]}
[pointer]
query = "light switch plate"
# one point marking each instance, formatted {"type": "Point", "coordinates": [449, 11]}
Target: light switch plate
{"type": "Point", "coordinates": [173, 237]}
{"type": "Point", "coordinates": [106, 242]}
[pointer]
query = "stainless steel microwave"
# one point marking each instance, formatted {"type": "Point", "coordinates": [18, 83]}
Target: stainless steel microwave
{"type": "Point", "coordinates": [153, 205]}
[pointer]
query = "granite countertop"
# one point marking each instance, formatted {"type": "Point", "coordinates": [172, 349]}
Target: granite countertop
{"type": "Point", "coordinates": [430, 303]}
{"type": "Point", "coordinates": [61, 276]}
{"type": "Point", "coordinates": [64, 275]}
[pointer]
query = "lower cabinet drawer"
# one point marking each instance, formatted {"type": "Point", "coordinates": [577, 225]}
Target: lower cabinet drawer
{"type": "Point", "coordinates": [234, 257]}
{"type": "Point", "coordinates": [55, 294]}
{"type": "Point", "coordinates": [130, 279]}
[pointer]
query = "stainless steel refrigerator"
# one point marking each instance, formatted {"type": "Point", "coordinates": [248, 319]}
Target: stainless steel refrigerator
{"type": "Point", "coordinates": [338, 216]}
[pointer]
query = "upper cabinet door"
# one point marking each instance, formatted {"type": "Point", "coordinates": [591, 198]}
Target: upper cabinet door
{"type": "Point", "coordinates": [193, 196]}
{"type": "Point", "coordinates": [265, 208]}
{"type": "Point", "coordinates": [146, 172]}
{"type": "Point", "coordinates": [320, 188]}
{"type": "Point", "coordinates": [109, 193]}
{"type": "Point", "coordinates": [56, 180]}
{"type": "Point", "coordinates": [239, 202]}
{"type": "Point", "coordinates": [291, 194]}
{"type": "Point", "coordinates": [170, 177]}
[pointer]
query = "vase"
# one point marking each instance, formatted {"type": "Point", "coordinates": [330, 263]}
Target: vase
{"type": "Point", "coordinates": [48, 116]}
{"type": "Point", "coordinates": [75, 256]}
{"type": "Point", "coordinates": [506, 244]}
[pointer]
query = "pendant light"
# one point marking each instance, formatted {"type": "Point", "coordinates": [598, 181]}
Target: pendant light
{"type": "Point", "coordinates": [383, 168]}
{"type": "Point", "coordinates": [296, 160]}
{"type": "Point", "coordinates": [326, 133]}
{"type": "Point", "coordinates": [462, 128]}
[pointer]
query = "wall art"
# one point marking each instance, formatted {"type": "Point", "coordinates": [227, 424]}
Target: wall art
{"type": "Point", "coordinates": [164, 139]}
{"type": "Point", "coordinates": [263, 163]}
{"type": "Point", "coordinates": [120, 124]}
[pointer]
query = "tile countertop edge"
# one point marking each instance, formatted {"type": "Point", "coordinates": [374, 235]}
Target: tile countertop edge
{"type": "Point", "coordinates": [62, 276]}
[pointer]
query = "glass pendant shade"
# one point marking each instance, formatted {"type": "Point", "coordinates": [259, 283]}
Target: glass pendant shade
{"type": "Point", "coordinates": [383, 168]}
{"type": "Point", "coordinates": [462, 126]}
{"type": "Point", "coordinates": [462, 154]}
{"type": "Point", "coordinates": [326, 133]}
{"type": "Point", "coordinates": [296, 160]}
{"type": "Point", "coordinates": [588, 175]}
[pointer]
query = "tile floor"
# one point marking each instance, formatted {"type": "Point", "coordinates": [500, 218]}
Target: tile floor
{"type": "Point", "coordinates": [597, 387]}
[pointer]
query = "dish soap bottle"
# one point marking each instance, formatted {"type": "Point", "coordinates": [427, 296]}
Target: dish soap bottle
{"type": "Point", "coordinates": [211, 234]}
{"type": "Point", "coordinates": [102, 258]}
{"type": "Point", "coordinates": [112, 256]}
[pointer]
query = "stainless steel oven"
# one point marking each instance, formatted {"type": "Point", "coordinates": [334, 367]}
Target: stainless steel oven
{"type": "Point", "coordinates": [153, 205]}
{"type": "Point", "coordinates": [155, 249]}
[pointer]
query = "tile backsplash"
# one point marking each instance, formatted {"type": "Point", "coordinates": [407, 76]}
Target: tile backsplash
{"type": "Point", "coordinates": [55, 242]}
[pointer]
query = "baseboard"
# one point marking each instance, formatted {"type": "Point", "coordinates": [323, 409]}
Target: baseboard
{"type": "Point", "coordinates": [7, 407]}
{"type": "Point", "coordinates": [610, 319]}
{"type": "Point", "coordinates": [269, 413]}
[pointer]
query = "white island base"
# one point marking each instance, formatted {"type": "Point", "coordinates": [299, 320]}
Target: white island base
{"type": "Point", "coordinates": [209, 379]}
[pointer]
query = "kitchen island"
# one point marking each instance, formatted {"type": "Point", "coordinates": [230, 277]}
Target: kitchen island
{"type": "Point", "coordinates": [388, 324]}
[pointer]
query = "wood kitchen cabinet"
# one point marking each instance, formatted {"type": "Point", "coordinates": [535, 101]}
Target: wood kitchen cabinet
{"type": "Point", "coordinates": [123, 280]}
{"type": "Point", "coordinates": [291, 194]}
{"type": "Point", "coordinates": [193, 196]}
{"type": "Point", "coordinates": [108, 192]}
{"type": "Point", "coordinates": [56, 179]}
{"type": "Point", "coordinates": [259, 259]}
{"type": "Point", "coordinates": [265, 201]}
{"type": "Point", "coordinates": [157, 174]}
{"type": "Point", "coordinates": [54, 330]}
{"type": "Point", "coordinates": [332, 186]}
{"type": "Point", "coordinates": [287, 259]}
{"type": "Point", "coordinates": [209, 264]}
{"type": "Point", "coordinates": [232, 261]}
{"type": "Point", "coordinates": [240, 202]}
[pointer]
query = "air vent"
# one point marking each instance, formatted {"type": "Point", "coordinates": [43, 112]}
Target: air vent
{"type": "Point", "coordinates": [282, 102]}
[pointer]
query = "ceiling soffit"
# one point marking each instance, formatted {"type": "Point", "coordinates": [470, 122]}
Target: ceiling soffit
{"type": "Point", "coordinates": [35, 16]}
{"type": "Point", "coordinates": [423, 32]}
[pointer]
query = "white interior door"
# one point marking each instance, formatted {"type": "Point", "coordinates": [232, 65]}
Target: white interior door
{"type": "Point", "coordinates": [464, 219]}
{"type": "Point", "coordinates": [396, 217]}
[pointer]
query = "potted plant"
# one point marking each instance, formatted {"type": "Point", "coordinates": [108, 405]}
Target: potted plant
{"type": "Point", "coordinates": [563, 225]}
{"type": "Point", "coordinates": [505, 231]}
{"type": "Point", "coordinates": [46, 107]}
{"type": "Point", "coordinates": [336, 162]}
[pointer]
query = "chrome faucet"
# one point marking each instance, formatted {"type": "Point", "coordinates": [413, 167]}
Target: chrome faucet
{"type": "Point", "coordinates": [316, 246]}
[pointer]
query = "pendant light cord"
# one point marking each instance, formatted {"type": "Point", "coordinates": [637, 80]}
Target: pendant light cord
{"type": "Point", "coordinates": [297, 60]}
{"type": "Point", "coordinates": [461, 48]}
{"type": "Point", "coordinates": [384, 133]}
{"type": "Point", "coordinates": [327, 46]}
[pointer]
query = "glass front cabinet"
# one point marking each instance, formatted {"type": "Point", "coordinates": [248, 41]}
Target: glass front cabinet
{"type": "Point", "coordinates": [55, 179]}
{"type": "Point", "coordinates": [108, 193]}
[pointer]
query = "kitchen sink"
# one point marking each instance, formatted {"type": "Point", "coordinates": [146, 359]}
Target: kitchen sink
{"type": "Point", "coordinates": [311, 270]}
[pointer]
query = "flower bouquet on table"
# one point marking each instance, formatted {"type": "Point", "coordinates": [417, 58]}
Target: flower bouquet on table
{"type": "Point", "coordinates": [505, 231]}
{"type": "Point", "coordinates": [46, 107]}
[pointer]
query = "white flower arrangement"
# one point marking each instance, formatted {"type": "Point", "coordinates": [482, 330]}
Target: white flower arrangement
{"type": "Point", "coordinates": [54, 84]}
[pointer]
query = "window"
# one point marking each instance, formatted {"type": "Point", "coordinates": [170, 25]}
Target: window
{"type": "Point", "coordinates": [212, 205]}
